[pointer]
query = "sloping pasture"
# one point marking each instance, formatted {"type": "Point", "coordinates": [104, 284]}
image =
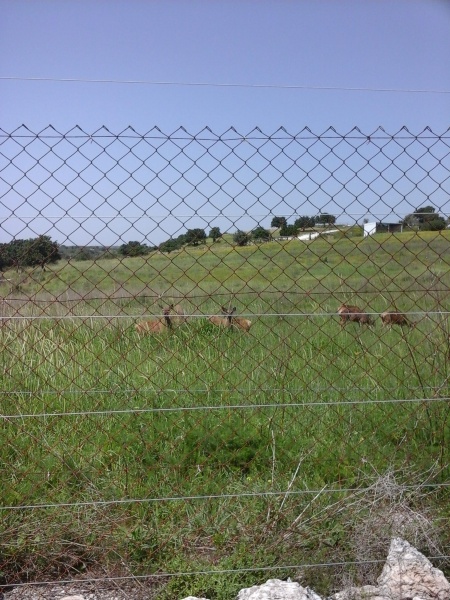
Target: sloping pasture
{"type": "Point", "coordinates": [208, 448]}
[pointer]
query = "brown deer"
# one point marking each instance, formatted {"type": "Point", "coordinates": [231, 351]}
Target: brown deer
{"type": "Point", "coordinates": [180, 316]}
{"type": "Point", "coordinates": [228, 320]}
{"type": "Point", "coordinates": [224, 321]}
{"type": "Point", "coordinates": [349, 312]}
{"type": "Point", "coordinates": [241, 323]}
{"type": "Point", "coordinates": [392, 317]}
{"type": "Point", "coordinates": [157, 325]}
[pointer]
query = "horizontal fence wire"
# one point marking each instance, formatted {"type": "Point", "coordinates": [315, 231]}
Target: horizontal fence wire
{"type": "Point", "coordinates": [223, 85]}
{"type": "Point", "coordinates": [283, 493]}
{"type": "Point", "coordinates": [226, 356]}
{"type": "Point", "coordinates": [224, 407]}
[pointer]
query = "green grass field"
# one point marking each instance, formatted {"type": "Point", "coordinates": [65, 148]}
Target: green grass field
{"type": "Point", "coordinates": [226, 450]}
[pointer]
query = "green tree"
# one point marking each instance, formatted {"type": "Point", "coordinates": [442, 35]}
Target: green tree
{"type": "Point", "coordinates": [304, 222]}
{"type": "Point", "coordinates": [425, 214]}
{"type": "Point", "coordinates": [16, 252]}
{"type": "Point", "coordinates": [44, 251]}
{"type": "Point", "coordinates": [30, 253]}
{"type": "Point", "coordinates": [425, 218]}
{"type": "Point", "coordinates": [241, 238]}
{"type": "Point", "coordinates": [260, 234]}
{"type": "Point", "coordinates": [435, 225]}
{"type": "Point", "coordinates": [181, 240]}
{"type": "Point", "coordinates": [429, 219]}
{"type": "Point", "coordinates": [411, 221]}
{"type": "Point", "coordinates": [288, 231]}
{"type": "Point", "coordinates": [215, 234]}
{"type": "Point", "coordinates": [133, 249]}
{"type": "Point", "coordinates": [195, 236]}
{"type": "Point", "coordinates": [170, 245]}
{"type": "Point", "coordinates": [325, 219]}
{"type": "Point", "coordinates": [4, 258]}
{"type": "Point", "coordinates": [278, 222]}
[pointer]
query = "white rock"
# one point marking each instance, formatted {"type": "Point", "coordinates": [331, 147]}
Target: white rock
{"type": "Point", "coordinates": [275, 589]}
{"type": "Point", "coordinates": [366, 592]}
{"type": "Point", "coordinates": [407, 574]}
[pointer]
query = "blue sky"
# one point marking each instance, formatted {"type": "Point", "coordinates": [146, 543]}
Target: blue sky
{"type": "Point", "coordinates": [389, 44]}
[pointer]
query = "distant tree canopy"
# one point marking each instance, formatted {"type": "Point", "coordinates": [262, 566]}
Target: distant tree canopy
{"type": "Point", "coordinates": [304, 222]}
{"type": "Point", "coordinates": [289, 230]}
{"type": "Point", "coordinates": [260, 234]}
{"type": "Point", "coordinates": [85, 254]}
{"type": "Point", "coordinates": [278, 222]}
{"type": "Point", "coordinates": [195, 236]}
{"type": "Point", "coordinates": [241, 238]}
{"type": "Point", "coordinates": [170, 245]}
{"type": "Point", "coordinates": [173, 244]}
{"type": "Point", "coordinates": [215, 234]}
{"type": "Point", "coordinates": [134, 249]}
{"type": "Point", "coordinates": [4, 259]}
{"type": "Point", "coordinates": [90, 252]}
{"type": "Point", "coordinates": [425, 218]}
{"type": "Point", "coordinates": [325, 219]}
{"type": "Point", "coordinates": [39, 251]}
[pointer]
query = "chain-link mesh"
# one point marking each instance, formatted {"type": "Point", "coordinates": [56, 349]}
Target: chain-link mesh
{"type": "Point", "coordinates": [225, 357]}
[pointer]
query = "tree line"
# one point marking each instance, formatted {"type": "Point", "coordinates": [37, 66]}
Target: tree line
{"type": "Point", "coordinates": [195, 237]}
{"type": "Point", "coordinates": [19, 254]}
{"type": "Point", "coordinates": [42, 251]}
{"type": "Point", "coordinates": [425, 218]}
{"type": "Point", "coordinates": [301, 223]}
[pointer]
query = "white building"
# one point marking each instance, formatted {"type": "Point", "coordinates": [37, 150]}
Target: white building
{"type": "Point", "coordinates": [375, 227]}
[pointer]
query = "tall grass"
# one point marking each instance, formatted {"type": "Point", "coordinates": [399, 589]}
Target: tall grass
{"type": "Point", "coordinates": [223, 448]}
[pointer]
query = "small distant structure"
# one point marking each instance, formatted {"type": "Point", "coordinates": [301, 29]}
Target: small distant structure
{"type": "Point", "coordinates": [312, 235]}
{"type": "Point", "coordinates": [379, 227]}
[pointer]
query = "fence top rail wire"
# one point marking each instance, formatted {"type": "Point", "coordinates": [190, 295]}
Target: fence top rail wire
{"type": "Point", "coordinates": [281, 86]}
{"type": "Point", "coordinates": [155, 216]}
{"type": "Point", "coordinates": [256, 134]}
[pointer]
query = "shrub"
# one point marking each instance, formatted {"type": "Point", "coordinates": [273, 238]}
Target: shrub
{"type": "Point", "coordinates": [241, 238]}
{"type": "Point", "coordinates": [215, 233]}
{"type": "Point", "coordinates": [260, 234]}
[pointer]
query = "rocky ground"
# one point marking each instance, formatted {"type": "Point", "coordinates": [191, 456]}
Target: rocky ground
{"type": "Point", "coordinates": [407, 575]}
{"type": "Point", "coordinates": [83, 591]}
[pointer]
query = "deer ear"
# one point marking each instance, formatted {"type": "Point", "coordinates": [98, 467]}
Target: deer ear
{"type": "Point", "coordinates": [233, 310]}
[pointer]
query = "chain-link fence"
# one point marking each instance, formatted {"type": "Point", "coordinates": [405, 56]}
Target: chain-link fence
{"type": "Point", "coordinates": [225, 357]}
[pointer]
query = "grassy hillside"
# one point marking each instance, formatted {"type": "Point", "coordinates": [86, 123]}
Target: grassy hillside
{"type": "Point", "coordinates": [336, 264]}
{"type": "Point", "coordinates": [226, 450]}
